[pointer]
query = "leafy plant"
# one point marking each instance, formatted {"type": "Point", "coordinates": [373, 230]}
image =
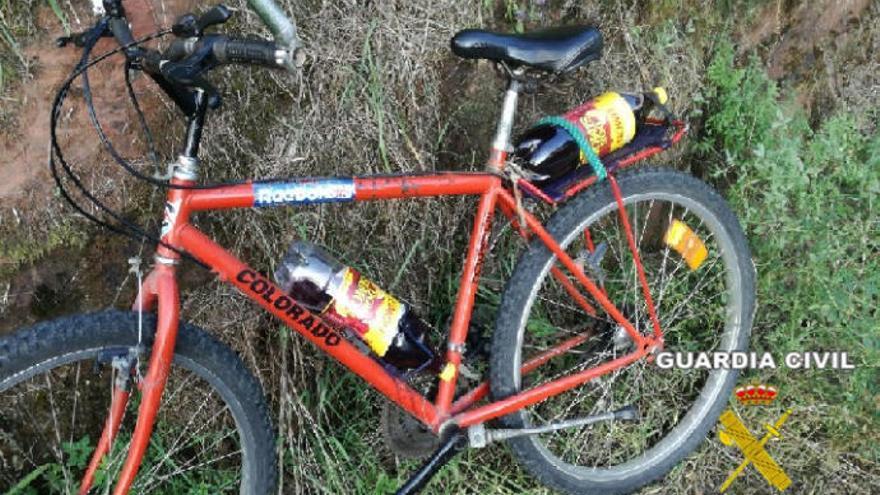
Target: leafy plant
{"type": "Point", "coordinates": [808, 202]}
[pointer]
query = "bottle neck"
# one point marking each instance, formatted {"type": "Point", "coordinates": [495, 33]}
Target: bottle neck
{"type": "Point", "coordinates": [636, 101]}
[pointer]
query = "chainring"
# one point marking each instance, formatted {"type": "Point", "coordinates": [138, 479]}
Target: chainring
{"type": "Point", "coordinates": [406, 436]}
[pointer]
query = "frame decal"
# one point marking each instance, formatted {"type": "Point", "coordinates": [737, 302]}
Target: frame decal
{"type": "Point", "coordinates": [172, 208]}
{"type": "Point", "coordinates": [303, 191]}
{"type": "Point", "coordinates": [261, 287]}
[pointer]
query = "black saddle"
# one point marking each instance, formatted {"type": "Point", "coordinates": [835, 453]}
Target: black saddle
{"type": "Point", "coordinates": [553, 50]}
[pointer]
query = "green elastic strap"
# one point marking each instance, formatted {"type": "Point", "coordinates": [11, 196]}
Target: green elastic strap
{"type": "Point", "coordinates": [575, 132]}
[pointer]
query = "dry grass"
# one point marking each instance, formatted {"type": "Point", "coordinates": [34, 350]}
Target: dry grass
{"type": "Point", "coordinates": [382, 93]}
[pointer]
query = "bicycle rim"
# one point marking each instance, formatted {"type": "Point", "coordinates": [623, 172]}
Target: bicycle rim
{"type": "Point", "coordinates": [53, 414]}
{"type": "Point", "coordinates": [698, 311]}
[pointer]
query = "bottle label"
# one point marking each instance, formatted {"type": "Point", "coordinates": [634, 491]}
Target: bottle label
{"type": "Point", "coordinates": [607, 121]}
{"type": "Point", "coordinates": [368, 310]}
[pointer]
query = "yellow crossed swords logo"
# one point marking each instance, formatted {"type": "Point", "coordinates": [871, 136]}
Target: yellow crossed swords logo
{"type": "Point", "coordinates": [735, 432]}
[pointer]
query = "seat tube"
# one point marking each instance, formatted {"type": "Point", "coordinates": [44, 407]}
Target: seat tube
{"type": "Point", "coordinates": [470, 276]}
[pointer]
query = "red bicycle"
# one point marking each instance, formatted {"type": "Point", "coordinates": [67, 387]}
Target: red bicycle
{"type": "Point", "coordinates": [571, 382]}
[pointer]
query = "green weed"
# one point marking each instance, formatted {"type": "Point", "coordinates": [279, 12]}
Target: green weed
{"type": "Point", "coordinates": [808, 201]}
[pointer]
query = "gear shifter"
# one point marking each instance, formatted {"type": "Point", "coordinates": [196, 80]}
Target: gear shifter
{"type": "Point", "coordinates": [190, 26]}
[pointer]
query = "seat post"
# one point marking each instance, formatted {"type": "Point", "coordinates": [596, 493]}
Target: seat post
{"type": "Point", "coordinates": [501, 145]}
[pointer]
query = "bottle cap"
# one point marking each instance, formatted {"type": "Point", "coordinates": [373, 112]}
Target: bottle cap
{"type": "Point", "coordinates": [662, 97]}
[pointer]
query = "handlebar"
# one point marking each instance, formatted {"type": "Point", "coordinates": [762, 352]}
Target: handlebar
{"type": "Point", "coordinates": [179, 69]}
{"type": "Point", "coordinates": [228, 50]}
{"type": "Point", "coordinates": [185, 61]}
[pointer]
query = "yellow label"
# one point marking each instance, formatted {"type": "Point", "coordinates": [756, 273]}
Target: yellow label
{"type": "Point", "coordinates": [448, 372]}
{"type": "Point", "coordinates": [377, 311]}
{"type": "Point", "coordinates": [662, 97]}
{"type": "Point", "coordinates": [609, 124]}
{"type": "Point", "coordinates": [688, 244]}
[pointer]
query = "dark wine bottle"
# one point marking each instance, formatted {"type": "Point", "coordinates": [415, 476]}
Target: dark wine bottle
{"type": "Point", "coordinates": [608, 121]}
{"type": "Point", "coordinates": [346, 299]}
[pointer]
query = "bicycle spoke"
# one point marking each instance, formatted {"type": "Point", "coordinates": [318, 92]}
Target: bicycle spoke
{"type": "Point", "coordinates": [178, 472]}
{"type": "Point", "coordinates": [63, 407]}
{"type": "Point", "coordinates": [57, 447]}
{"type": "Point", "coordinates": [684, 300]}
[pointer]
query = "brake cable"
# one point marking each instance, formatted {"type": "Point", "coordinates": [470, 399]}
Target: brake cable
{"type": "Point", "coordinates": [151, 143]}
{"type": "Point", "coordinates": [126, 227]}
{"type": "Point", "coordinates": [87, 95]}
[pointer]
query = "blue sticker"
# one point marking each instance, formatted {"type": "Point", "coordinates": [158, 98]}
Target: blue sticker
{"type": "Point", "coordinates": [303, 191]}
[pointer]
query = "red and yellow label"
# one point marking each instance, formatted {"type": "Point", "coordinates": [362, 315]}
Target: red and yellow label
{"type": "Point", "coordinates": [368, 310]}
{"type": "Point", "coordinates": [607, 121]}
{"type": "Point", "coordinates": [688, 244]}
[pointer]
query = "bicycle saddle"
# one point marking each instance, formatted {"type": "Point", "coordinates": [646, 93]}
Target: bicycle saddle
{"type": "Point", "coordinates": [555, 50]}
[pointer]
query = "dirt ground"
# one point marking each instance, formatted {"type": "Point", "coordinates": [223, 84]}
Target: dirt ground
{"type": "Point", "coordinates": [24, 149]}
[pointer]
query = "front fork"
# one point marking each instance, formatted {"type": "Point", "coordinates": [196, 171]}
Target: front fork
{"type": "Point", "coordinates": [159, 290]}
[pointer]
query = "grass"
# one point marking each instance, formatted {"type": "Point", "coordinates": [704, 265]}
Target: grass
{"type": "Point", "coordinates": [382, 84]}
{"type": "Point", "coordinates": [808, 200]}
{"type": "Point", "coordinates": [14, 25]}
{"type": "Point", "coordinates": [22, 247]}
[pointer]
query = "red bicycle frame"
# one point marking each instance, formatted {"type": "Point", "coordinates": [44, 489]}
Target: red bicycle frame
{"type": "Point", "coordinates": [160, 292]}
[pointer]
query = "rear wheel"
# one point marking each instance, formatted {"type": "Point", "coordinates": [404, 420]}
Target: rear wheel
{"type": "Point", "coordinates": [212, 432]}
{"type": "Point", "coordinates": [709, 308]}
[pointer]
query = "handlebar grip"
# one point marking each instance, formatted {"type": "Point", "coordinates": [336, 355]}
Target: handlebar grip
{"type": "Point", "coordinates": [257, 52]}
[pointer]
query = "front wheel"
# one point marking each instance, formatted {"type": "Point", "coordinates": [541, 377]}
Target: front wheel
{"type": "Point", "coordinates": [706, 306]}
{"type": "Point", "coordinates": [212, 433]}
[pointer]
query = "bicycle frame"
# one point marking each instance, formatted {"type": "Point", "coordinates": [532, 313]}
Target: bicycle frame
{"type": "Point", "coordinates": [160, 293]}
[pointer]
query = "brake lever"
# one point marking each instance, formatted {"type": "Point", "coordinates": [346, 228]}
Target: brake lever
{"type": "Point", "coordinates": [190, 26]}
{"type": "Point", "coordinates": [79, 39]}
{"type": "Point", "coordinates": [217, 14]}
{"type": "Point", "coordinates": [188, 72]}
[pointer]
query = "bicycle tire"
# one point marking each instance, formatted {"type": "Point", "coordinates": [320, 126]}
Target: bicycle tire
{"type": "Point", "coordinates": [516, 303]}
{"type": "Point", "coordinates": [49, 346]}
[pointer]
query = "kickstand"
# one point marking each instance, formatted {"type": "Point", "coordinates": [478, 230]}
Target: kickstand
{"type": "Point", "coordinates": [455, 442]}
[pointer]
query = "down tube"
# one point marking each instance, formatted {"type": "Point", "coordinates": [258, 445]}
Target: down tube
{"type": "Point", "coordinates": [270, 297]}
